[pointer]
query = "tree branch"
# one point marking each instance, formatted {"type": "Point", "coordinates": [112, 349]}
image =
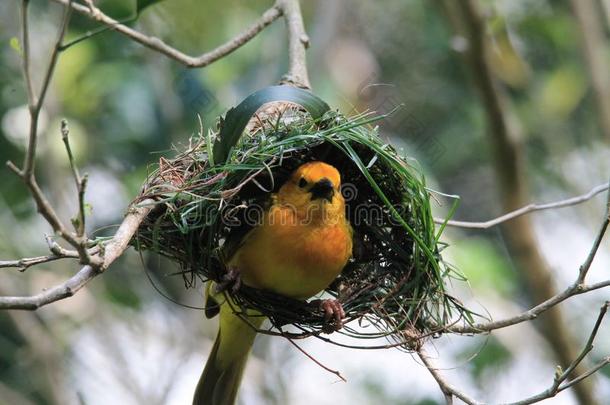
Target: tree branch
{"type": "Point", "coordinates": [576, 288]}
{"type": "Point", "coordinates": [80, 181]}
{"type": "Point", "coordinates": [298, 42]}
{"type": "Point", "coordinates": [556, 387]}
{"type": "Point", "coordinates": [27, 262]}
{"type": "Point", "coordinates": [104, 255]}
{"type": "Point", "coordinates": [448, 390]}
{"type": "Point", "coordinates": [35, 104]}
{"type": "Point", "coordinates": [526, 210]}
{"type": "Point", "coordinates": [102, 258]}
{"type": "Point", "coordinates": [57, 253]}
{"type": "Point", "coordinates": [158, 45]}
{"type": "Point", "coordinates": [25, 36]}
{"type": "Point", "coordinates": [107, 255]}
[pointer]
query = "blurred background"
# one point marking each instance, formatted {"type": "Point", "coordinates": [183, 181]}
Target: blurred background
{"type": "Point", "coordinates": [120, 341]}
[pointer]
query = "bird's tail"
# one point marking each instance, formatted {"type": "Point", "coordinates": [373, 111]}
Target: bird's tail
{"type": "Point", "coordinates": [219, 382]}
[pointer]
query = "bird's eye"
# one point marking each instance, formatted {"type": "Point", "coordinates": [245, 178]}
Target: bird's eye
{"type": "Point", "coordinates": [302, 182]}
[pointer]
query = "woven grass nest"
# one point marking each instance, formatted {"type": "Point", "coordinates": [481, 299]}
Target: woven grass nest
{"type": "Point", "coordinates": [395, 283]}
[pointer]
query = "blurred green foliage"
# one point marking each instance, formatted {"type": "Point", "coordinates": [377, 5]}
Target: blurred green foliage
{"type": "Point", "coordinates": [488, 269]}
{"type": "Point", "coordinates": [491, 358]}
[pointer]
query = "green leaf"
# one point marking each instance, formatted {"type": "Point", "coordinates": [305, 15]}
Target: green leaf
{"type": "Point", "coordinates": [142, 4]}
{"type": "Point", "coordinates": [237, 118]}
{"type": "Point", "coordinates": [16, 45]}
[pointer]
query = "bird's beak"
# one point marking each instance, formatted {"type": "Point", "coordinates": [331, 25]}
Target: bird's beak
{"type": "Point", "coordinates": [323, 189]}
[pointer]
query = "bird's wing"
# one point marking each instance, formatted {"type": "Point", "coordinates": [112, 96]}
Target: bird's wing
{"type": "Point", "coordinates": [238, 235]}
{"type": "Point", "coordinates": [212, 306]}
{"type": "Point", "coordinates": [241, 232]}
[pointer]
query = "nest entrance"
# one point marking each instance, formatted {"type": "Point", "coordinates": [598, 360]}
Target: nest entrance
{"type": "Point", "coordinates": [395, 280]}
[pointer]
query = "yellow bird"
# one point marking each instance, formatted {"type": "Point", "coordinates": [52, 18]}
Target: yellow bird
{"type": "Point", "coordinates": [301, 245]}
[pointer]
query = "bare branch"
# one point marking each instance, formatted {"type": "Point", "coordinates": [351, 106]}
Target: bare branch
{"type": "Point", "coordinates": [59, 292]}
{"type": "Point", "coordinates": [81, 182]}
{"type": "Point", "coordinates": [577, 288]}
{"type": "Point", "coordinates": [35, 104]}
{"type": "Point", "coordinates": [312, 358]}
{"type": "Point", "coordinates": [526, 210]}
{"type": "Point", "coordinates": [27, 262]}
{"type": "Point", "coordinates": [298, 42]}
{"type": "Point", "coordinates": [556, 387]}
{"type": "Point", "coordinates": [111, 251]}
{"type": "Point", "coordinates": [530, 314]}
{"type": "Point", "coordinates": [158, 45]}
{"type": "Point", "coordinates": [588, 373]}
{"type": "Point", "coordinates": [561, 376]}
{"type": "Point", "coordinates": [46, 210]}
{"type": "Point", "coordinates": [448, 390]}
{"type": "Point", "coordinates": [98, 262]}
{"type": "Point", "coordinates": [584, 269]}
{"type": "Point", "coordinates": [25, 36]}
{"type": "Point", "coordinates": [123, 235]}
{"type": "Point", "coordinates": [78, 241]}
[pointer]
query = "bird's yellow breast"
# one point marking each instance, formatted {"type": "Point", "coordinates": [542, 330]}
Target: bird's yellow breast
{"type": "Point", "coordinates": [294, 256]}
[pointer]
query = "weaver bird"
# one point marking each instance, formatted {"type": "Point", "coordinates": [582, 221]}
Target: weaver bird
{"type": "Point", "coordinates": [301, 245]}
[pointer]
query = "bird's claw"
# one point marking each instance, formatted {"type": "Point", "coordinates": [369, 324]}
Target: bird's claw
{"type": "Point", "coordinates": [333, 310]}
{"type": "Point", "coordinates": [231, 279]}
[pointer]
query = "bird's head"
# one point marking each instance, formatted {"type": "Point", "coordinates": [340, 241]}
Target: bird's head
{"type": "Point", "coordinates": [314, 190]}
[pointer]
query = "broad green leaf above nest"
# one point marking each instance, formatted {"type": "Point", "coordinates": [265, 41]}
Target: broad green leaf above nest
{"type": "Point", "coordinates": [395, 282]}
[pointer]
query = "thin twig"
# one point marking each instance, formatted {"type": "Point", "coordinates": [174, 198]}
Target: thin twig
{"type": "Point", "coordinates": [584, 269]}
{"type": "Point", "coordinates": [57, 253]}
{"type": "Point", "coordinates": [530, 314]}
{"type": "Point", "coordinates": [527, 209]}
{"type": "Point", "coordinates": [25, 36]}
{"type": "Point", "coordinates": [562, 376]}
{"type": "Point", "coordinates": [158, 45]}
{"type": "Point", "coordinates": [588, 347]}
{"type": "Point", "coordinates": [97, 263]}
{"type": "Point", "coordinates": [298, 41]}
{"type": "Point", "coordinates": [91, 34]}
{"type": "Point", "coordinates": [35, 104]}
{"type": "Point", "coordinates": [93, 265]}
{"type": "Point", "coordinates": [448, 390]}
{"type": "Point", "coordinates": [81, 182]}
{"type": "Point", "coordinates": [46, 209]}
{"type": "Point", "coordinates": [59, 292]}
{"type": "Point", "coordinates": [27, 262]}
{"type": "Point", "coordinates": [605, 361]}
{"type": "Point", "coordinates": [330, 370]}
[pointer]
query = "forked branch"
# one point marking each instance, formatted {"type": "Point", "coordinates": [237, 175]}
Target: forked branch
{"type": "Point", "coordinates": [298, 41]}
{"type": "Point", "coordinates": [562, 380]}
{"type": "Point", "coordinates": [579, 286]}
{"type": "Point", "coordinates": [100, 257]}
